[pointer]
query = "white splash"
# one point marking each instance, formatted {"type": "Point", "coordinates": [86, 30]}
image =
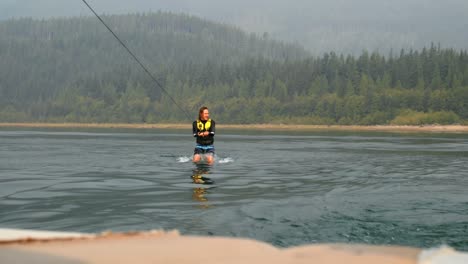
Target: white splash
{"type": "Point", "coordinates": [226, 160]}
{"type": "Point", "coordinates": [183, 159]}
{"type": "Point", "coordinates": [218, 160]}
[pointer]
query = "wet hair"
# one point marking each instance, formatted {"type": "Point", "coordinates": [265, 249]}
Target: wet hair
{"type": "Point", "coordinates": [200, 112]}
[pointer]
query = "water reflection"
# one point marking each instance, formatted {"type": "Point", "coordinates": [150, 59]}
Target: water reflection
{"type": "Point", "coordinates": [198, 177]}
{"type": "Point", "coordinates": [199, 172]}
{"type": "Point", "coordinates": [199, 194]}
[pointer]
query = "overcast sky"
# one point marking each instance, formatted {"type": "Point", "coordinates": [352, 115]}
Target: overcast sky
{"type": "Point", "coordinates": [308, 22]}
{"type": "Point", "coordinates": [228, 9]}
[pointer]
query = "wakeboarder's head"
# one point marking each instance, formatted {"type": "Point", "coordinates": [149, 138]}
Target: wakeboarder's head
{"type": "Point", "coordinates": [203, 113]}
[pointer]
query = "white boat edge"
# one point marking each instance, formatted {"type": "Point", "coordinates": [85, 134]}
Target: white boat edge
{"type": "Point", "coordinates": [439, 255]}
{"type": "Point", "coordinates": [11, 234]}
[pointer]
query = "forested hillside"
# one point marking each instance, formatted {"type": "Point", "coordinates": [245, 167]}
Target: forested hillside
{"type": "Point", "coordinates": [73, 70]}
{"type": "Point", "coordinates": [341, 26]}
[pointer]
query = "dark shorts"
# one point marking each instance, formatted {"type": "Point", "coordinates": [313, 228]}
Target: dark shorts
{"type": "Point", "coordinates": [200, 149]}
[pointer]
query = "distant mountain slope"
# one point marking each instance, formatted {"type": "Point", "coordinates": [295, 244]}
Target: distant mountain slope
{"type": "Point", "coordinates": [341, 26]}
{"type": "Point", "coordinates": [73, 70]}
{"type": "Point", "coordinates": [41, 56]}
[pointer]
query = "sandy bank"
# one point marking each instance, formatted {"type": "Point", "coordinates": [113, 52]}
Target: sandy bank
{"type": "Point", "coordinates": [265, 127]}
{"type": "Point", "coordinates": [29, 246]}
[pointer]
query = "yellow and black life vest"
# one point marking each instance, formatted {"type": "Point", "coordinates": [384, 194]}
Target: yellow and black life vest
{"type": "Point", "coordinates": [203, 127]}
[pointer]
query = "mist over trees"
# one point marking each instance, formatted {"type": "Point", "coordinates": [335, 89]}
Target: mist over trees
{"type": "Point", "coordinates": [321, 26]}
{"type": "Point", "coordinates": [72, 70]}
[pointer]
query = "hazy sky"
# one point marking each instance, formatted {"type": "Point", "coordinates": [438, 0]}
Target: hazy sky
{"type": "Point", "coordinates": [229, 10]}
{"type": "Point", "coordinates": [310, 22]}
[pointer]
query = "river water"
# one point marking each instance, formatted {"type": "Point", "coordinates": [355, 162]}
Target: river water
{"type": "Point", "coordinates": [283, 188]}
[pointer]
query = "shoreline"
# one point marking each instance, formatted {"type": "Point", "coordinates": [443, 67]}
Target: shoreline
{"type": "Point", "coordinates": [262, 127]}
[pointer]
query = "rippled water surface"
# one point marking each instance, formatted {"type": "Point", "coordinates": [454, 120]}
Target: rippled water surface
{"type": "Point", "coordinates": [282, 188]}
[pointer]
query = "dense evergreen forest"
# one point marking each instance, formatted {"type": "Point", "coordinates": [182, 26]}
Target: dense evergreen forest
{"type": "Point", "coordinates": [321, 26]}
{"type": "Point", "coordinates": [72, 70]}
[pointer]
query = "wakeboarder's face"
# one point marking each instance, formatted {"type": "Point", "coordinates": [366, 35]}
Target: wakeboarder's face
{"type": "Point", "coordinates": [205, 115]}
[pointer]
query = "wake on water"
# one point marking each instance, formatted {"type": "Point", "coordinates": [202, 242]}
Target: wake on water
{"type": "Point", "coordinates": [219, 160]}
{"type": "Point", "coordinates": [202, 168]}
{"type": "Point", "coordinates": [183, 159]}
{"type": "Point", "coordinates": [226, 160]}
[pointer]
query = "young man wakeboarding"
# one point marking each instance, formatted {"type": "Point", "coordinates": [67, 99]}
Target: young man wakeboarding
{"type": "Point", "coordinates": [204, 130]}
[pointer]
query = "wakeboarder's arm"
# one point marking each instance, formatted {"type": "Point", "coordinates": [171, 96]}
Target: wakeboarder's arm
{"type": "Point", "coordinates": [212, 128]}
{"type": "Point", "coordinates": [194, 128]}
